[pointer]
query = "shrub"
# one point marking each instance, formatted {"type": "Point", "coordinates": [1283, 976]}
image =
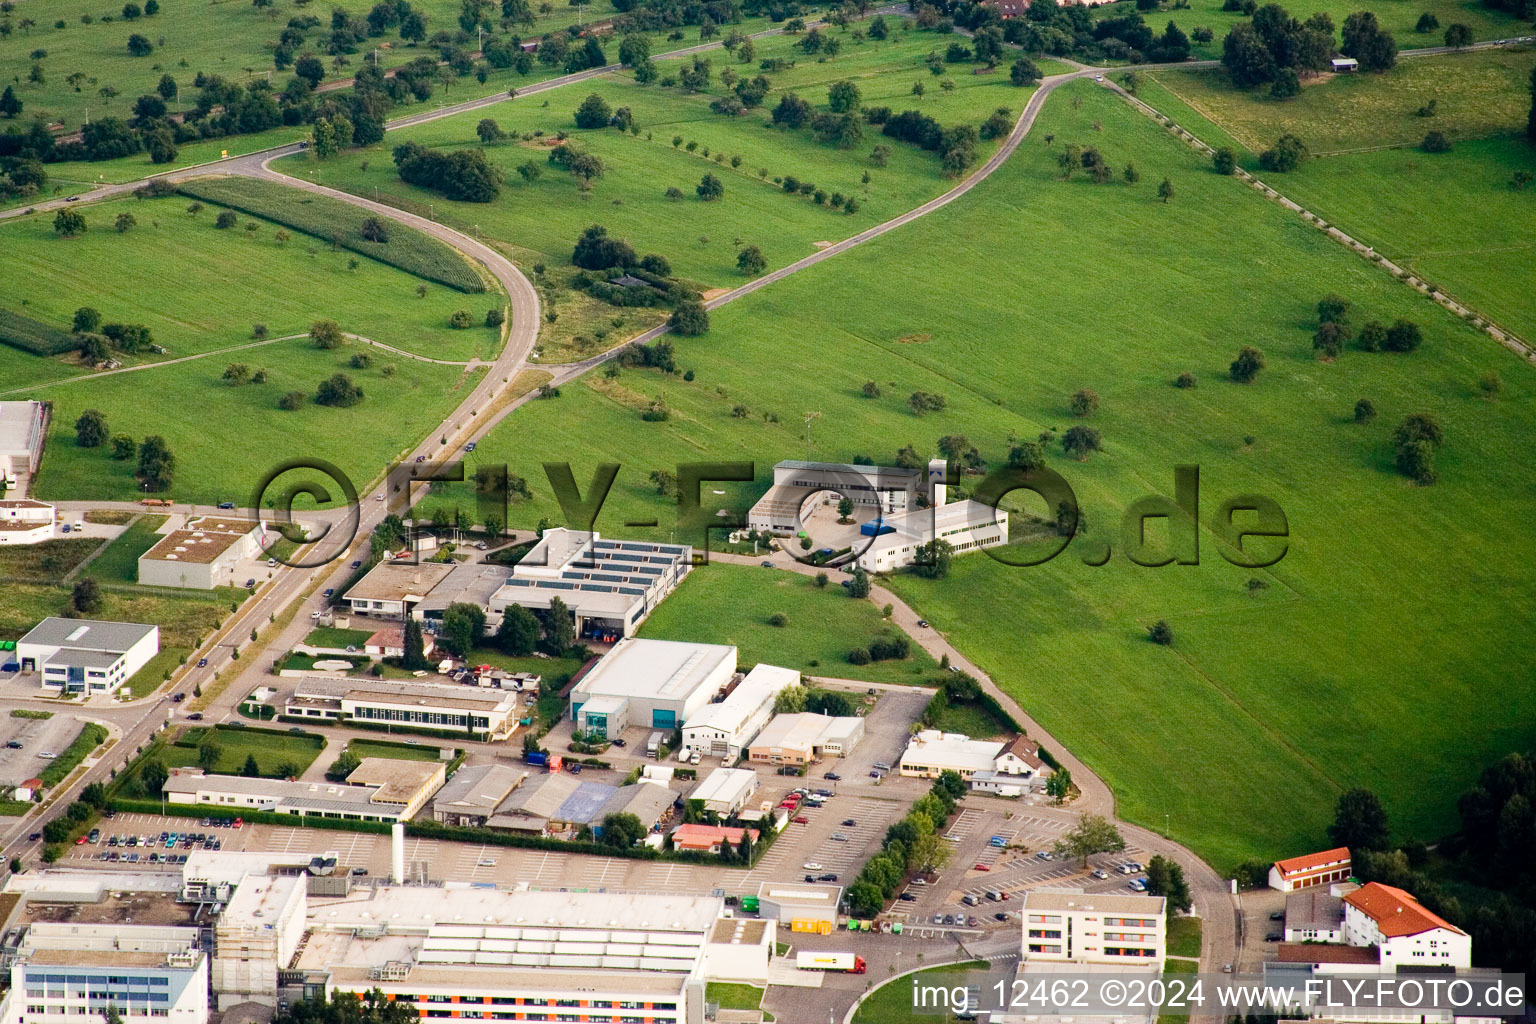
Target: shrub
{"type": "Point", "coordinates": [461, 320]}
{"type": "Point", "coordinates": [495, 317]}
{"type": "Point", "coordinates": [226, 219]}
{"type": "Point", "coordinates": [778, 619]}
{"type": "Point", "coordinates": [858, 656]}
{"type": "Point", "coordinates": [1185, 380]}
{"type": "Point", "coordinates": [291, 401]}
{"type": "Point", "coordinates": [1435, 142]}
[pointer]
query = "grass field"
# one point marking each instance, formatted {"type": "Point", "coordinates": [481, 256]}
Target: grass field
{"type": "Point", "coordinates": [185, 293]}
{"type": "Point", "coordinates": [271, 749]}
{"type": "Point", "coordinates": [543, 220]}
{"type": "Point", "coordinates": [1477, 94]}
{"type": "Point", "coordinates": [329, 636]}
{"type": "Point", "coordinates": [1258, 761]}
{"type": "Point", "coordinates": [731, 604]}
{"type": "Point", "coordinates": [733, 997]}
{"type": "Point", "coordinates": [891, 1003]}
{"type": "Point", "coordinates": [426, 751]}
{"type": "Point", "coordinates": [119, 563]}
{"type": "Point", "coordinates": [231, 40]}
{"type": "Point", "coordinates": [88, 739]}
{"type": "Point", "coordinates": [184, 618]}
{"type": "Point", "coordinates": [1184, 936]}
{"type": "Point", "coordinates": [974, 720]}
{"type": "Point", "coordinates": [1399, 19]}
{"type": "Point", "coordinates": [47, 562]}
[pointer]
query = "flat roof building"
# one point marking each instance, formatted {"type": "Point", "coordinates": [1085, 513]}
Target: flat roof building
{"type": "Point", "coordinates": [406, 784]}
{"type": "Point", "coordinates": [390, 589]}
{"type": "Point", "coordinates": [474, 792]}
{"type": "Point", "coordinates": [931, 752]}
{"type": "Point", "coordinates": [204, 553]}
{"type": "Point", "coordinates": [802, 906]}
{"type": "Point", "coordinates": [724, 729]}
{"type": "Point", "coordinates": [725, 791]}
{"type": "Point", "coordinates": [255, 936]}
{"type": "Point", "coordinates": [804, 738]}
{"type": "Point", "coordinates": [609, 586]}
{"type": "Point", "coordinates": [581, 957]}
{"type": "Point", "coordinates": [559, 805]}
{"type": "Point", "coordinates": [1073, 926]}
{"type": "Point", "coordinates": [965, 525]}
{"type": "Point", "coordinates": [23, 432]}
{"type": "Point", "coordinates": [323, 799]}
{"type": "Point", "coordinates": [654, 684]}
{"type": "Point", "coordinates": [71, 973]}
{"type": "Point", "coordinates": [86, 656]}
{"type": "Point", "coordinates": [486, 712]}
{"type": "Point", "coordinates": [24, 521]}
{"type": "Point", "coordinates": [890, 489]}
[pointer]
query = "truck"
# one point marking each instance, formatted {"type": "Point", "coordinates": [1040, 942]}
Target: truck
{"type": "Point", "coordinates": [536, 757]}
{"type": "Point", "coordinates": [653, 745]}
{"type": "Point", "coordinates": [749, 904]}
{"type": "Point", "coordinates": [847, 962]}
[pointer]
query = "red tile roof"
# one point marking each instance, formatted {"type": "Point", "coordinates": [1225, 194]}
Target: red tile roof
{"type": "Point", "coordinates": [1327, 953]}
{"type": "Point", "coordinates": [1396, 912]}
{"type": "Point", "coordinates": [702, 837]}
{"type": "Point", "coordinates": [1338, 856]}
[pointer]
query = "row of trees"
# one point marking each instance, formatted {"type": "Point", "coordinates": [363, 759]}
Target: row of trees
{"type": "Point", "coordinates": [914, 843]}
{"type": "Point", "coordinates": [463, 175]}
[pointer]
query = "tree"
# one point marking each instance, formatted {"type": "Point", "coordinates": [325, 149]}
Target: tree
{"type": "Point", "coordinates": [1457, 36]}
{"type": "Point", "coordinates": [1360, 822]}
{"type": "Point", "coordinates": [86, 321]}
{"type": "Point", "coordinates": [1247, 365]}
{"type": "Point", "coordinates": [1287, 154]}
{"type": "Point", "coordinates": [91, 429]}
{"type": "Point", "coordinates": [123, 447]}
{"type": "Point", "coordinates": [326, 334]}
{"type": "Point", "coordinates": [1081, 441]}
{"type": "Point", "coordinates": [843, 97]}
{"type": "Point", "coordinates": [634, 49]}
{"type": "Point", "coordinates": [463, 626]}
{"type": "Point", "coordinates": [292, 401]}
{"type": "Point", "coordinates": [1403, 336]}
{"type": "Point", "coordinates": [1435, 142]}
{"type": "Point", "coordinates": [1160, 633]}
{"type": "Point", "coordinates": [1085, 402]}
{"type": "Point", "coordinates": [751, 262]}
{"type": "Point", "coordinates": [792, 111]}
{"type": "Point", "coordinates": [251, 770]}
{"type": "Point", "coordinates": [710, 188]}
{"type": "Point", "coordinates": [338, 391]}
{"type": "Point", "coordinates": [414, 658]}
{"type": "Point", "coordinates": [208, 753]}
{"type": "Point", "coordinates": [921, 402]}
{"type": "Point", "coordinates": [865, 899]}
{"type": "Point", "coordinates": [845, 509]}
{"type": "Point", "coordinates": [596, 251]}
{"type": "Point", "coordinates": [86, 595]}
{"type": "Point", "coordinates": [622, 830]}
{"type": "Point", "coordinates": [154, 776]}
{"type": "Point", "coordinates": [124, 222]}
{"type": "Point", "coordinates": [932, 560]}
{"type": "Point", "coordinates": [1363, 39]}
{"type": "Point", "coordinates": [829, 702]}
{"type": "Point", "coordinates": [157, 464]}
{"type": "Point", "coordinates": [10, 105]}
{"type": "Point", "coordinates": [69, 223]}
{"type": "Point", "coordinates": [1427, 23]}
{"type": "Point", "coordinates": [1372, 337]}
{"type": "Point", "coordinates": [373, 230]}
{"type": "Point", "coordinates": [225, 220]}
{"type": "Point", "coordinates": [1333, 307]}
{"type": "Point", "coordinates": [489, 131]}
{"type": "Point", "coordinates": [1166, 878]}
{"type": "Point", "coordinates": [1365, 411]}
{"type": "Point", "coordinates": [594, 112]}
{"type": "Point", "coordinates": [1059, 786]}
{"type": "Point", "coordinates": [1165, 191]}
{"type": "Point", "coordinates": [518, 634]}
{"type": "Point", "coordinates": [1330, 338]}
{"type": "Point", "coordinates": [1224, 160]}
{"type": "Point", "coordinates": [345, 764]}
{"type": "Point", "coordinates": [139, 46]}
{"type": "Point", "coordinates": [689, 318]}
{"type": "Point", "coordinates": [1091, 834]}
{"type": "Point", "coordinates": [559, 628]}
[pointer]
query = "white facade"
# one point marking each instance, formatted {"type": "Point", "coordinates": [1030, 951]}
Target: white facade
{"type": "Point", "coordinates": [322, 799]}
{"type": "Point", "coordinates": [662, 683]}
{"type": "Point", "coordinates": [492, 713]}
{"type": "Point", "coordinates": [1328, 867]}
{"type": "Point", "coordinates": [1072, 926]}
{"type": "Point", "coordinates": [726, 790]}
{"type": "Point", "coordinates": [608, 586]}
{"type": "Point", "coordinates": [204, 553]}
{"type": "Point", "coordinates": [887, 488]}
{"type": "Point", "coordinates": [804, 737]}
{"type": "Point", "coordinates": [86, 656]}
{"type": "Point", "coordinates": [1406, 934]}
{"type": "Point", "coordinates": [723, 730]}
{"type": "Point", "coordinates": [71, 973]}
{"type": "Point", "coordinates": [23, 431]}
{"type": "Point", "coordinates": [256, 936]}
{"type": "Point", "coordinates": [965, 525]}
{"type": "Point", "coordinates": [932, 752]}
{"type": "Point", "coordinates": [24, 521]}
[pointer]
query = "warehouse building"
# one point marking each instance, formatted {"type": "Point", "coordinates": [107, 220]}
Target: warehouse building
{"type": "Point", "coordinates": [932, 752]}
{"type": "Point", "coordinates": [802, 906]}
{"type": "Point", "coordinates": [560, 805]}
{"type": "Point", "coordinates": [887, 490]}
{"type": "Point", "coordinates": [407, 785]}
{"type": "Point", "coordinates": [205, 553]}
{"type": "Point", "coordinates": [256, 936]}
{"type": "Point", "coordinates": [486, 712]}
{"type": "Point", "coordinates": [723, 730]}
{"type": "Point", "coordinates": [608, 586]}
{"type": "Point", "coordinates": [24, 521]}
{"type": "Point", "coordinates": [86, 656]}
{"type": "Point", "coordinates": [489, 954]}
{"type": "Point", "coordinates": [474, 792]}
{"type": "Point", "coordinates": [654, 684]}
{"type": "Point", "coordinates": [805, 738]}
{"type": "Point", "coordinates": [391, 589]}
{"type": "Point", "coordinates": [23, 431]}
{"type": "Point", "coordinates": [725, 791]}
{"type": "Point", "coordinates": [894, 540]}
{"type": "Point", "coordinates": [68, 972]}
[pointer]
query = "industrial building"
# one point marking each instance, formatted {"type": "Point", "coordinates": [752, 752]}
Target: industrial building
{"type": "Point", "coordinates": [391, 589]}
{"type": "Point", "coordinates": [654, 684]}
{"type": "Point", "coordinates": [486, 712]}
{"type": "Point", "coordinates": [86, 656]}
{"type": "Point", "coordinates": [23, 431]}
{"type": "Point", "coordinates": [931, 752]}
{"type": "Point", "coordinates": [608, 586]}
{"type": "Point", "coordinates": [805, 738]}
{"type": "Point", "coordinates": [490, 954]}
{"type": "Point", "coordinates": [256, 936]}
{"type": "Point", "coordinates": [560, 805]}
{"type": "Point", "coordinates": [401, 792]}
{"type": "Point", "coordinates": [1073, 926]}
{"type": "Point", "coordinates": [472, 795]}
{"type": "Point", "coordinates": [724, 729]}
{"type": "Point", "coordinates": [24, 521]}
{"type": "Point", "coordinates": [894, 541]}
{"type": "Point", "coordinates": [802, 906]}
{"type": "Point", "coordinates": [65, 971]}
{"type": "Point", "coordinates": [888, 490]}
{"type": "Point", "coordinates": [406, 785]}
{"type": "Point", "coordinates": [205, 553]}
{"type": "Point", "coordinates": [725, 791]}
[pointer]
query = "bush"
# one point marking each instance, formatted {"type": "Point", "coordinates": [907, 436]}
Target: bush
{"type": "Point", "coordinates": [594, 112]}
{"type": "Point", "coordinates": [1160, 633]}
{"type": "Point", "coordinates": [778, 619]}
{"type": "Point", "coordinates": [1403, 336]}
{"type": "Point", "coordinates": [1224, 160]}
{"type": "Point", "coordinates": [689, 318]}
{"type": "Point", "coordinates": [461, 320]}
{"type": "Point", "coordinates": [858, 656]}
{"type": "Point", "coordinates": [1435, 142]}
{"type": "Point", "coordinates": [291, 401]}
{"type": "Point", "coordinates": [226, 219]}
{"type": "Point", "coordinates": [495, 317]}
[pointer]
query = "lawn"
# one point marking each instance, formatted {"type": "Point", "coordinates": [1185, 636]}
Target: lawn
{"type": "Point", "coordinates": [47, 562]}
{"type": "Point", "coordinates": [733, 997]}
{"type": "Point", "coordinates": [330, 636]}
{"type": "Point", "coordinates": [731, 604]}
{"type": "Point", "coordinates": [540, 222]}
{"type": "Point", "coordinates": [235, 744]}
{"type": "Point", "coordinates": [892, 1002]}
{"type": "Point", "coordinates": [1232, 731]}
{"type": "Point", "coordinates": [1184, 936]}
{"type": "Point", "coordinates": [226, 438]}
{"type": "Point", "coordinates": [184, 617]}
{"type": "Point", "coordinates": [186, 292]}
{"type": "Point", "coordinates": [1399, 19]}
{"type": "Point", "coordinates": [974, 720]}
{"type": "Point", "coordinates": [1477, 94]}
{"type": "Point", "coordinates": [88, 739]}
{"type": "Point", "coordinates": [119, 563]}
{"type": "Point", "coordinates": [397, 751]}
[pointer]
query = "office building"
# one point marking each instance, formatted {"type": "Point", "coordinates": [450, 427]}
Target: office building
{"type": "Point", "coordinates": [1405, 932]}
{"type": "Point", "coordinates": [1073, 926]}
{"type": "Point", "coordinates": [805, 738]}
{"type": "Point", "coordinates": [70, 973]}
{"type": "Point", "coordinates": [1325, 868]}
{"type": "Point", "coordinates": [391, 589]}
{"type": "Point", "coordinates": [932, 752]}
{"type": "Point", "coordinates": [389, 802]}
{"type": "Point", "coordinates": [724, 729]}
{"type": "Point", "coordinates": [23, 432]}
{"type": "Point", "coordinates": [24, 521]}
{"type": "Point", "coordinates": [389, 704]}
{"type": "Point", "coordinates": [886, 490]}
{"type": "Point", "coordinates": [653, 684]}
{"type": "Point", "coordinates": [86, 656]}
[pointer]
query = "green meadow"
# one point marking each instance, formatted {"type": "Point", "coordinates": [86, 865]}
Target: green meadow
{"type": "Point", "coordinates": [1350, 662]}
{"type": "Point", "coordinates": [540, 221]}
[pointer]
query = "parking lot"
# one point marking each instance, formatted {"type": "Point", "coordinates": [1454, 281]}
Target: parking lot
{"type": "Point", "coordinates": [36, 737]}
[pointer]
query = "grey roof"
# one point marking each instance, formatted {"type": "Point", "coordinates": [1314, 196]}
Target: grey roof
{"type": "Point", "coordinates": [85, 658]}
{"type": "Point", "coordinates": [87, 634]}
{"type": "Point", "coordinates": [586, 803]}
{"type": "Point", "coordinates": [645, 800]}
{"type": "Point", "coordinates": [848, 467]}
{"type": "Point", "coordinates": [540, 797]}
{"type": "Point", "coordinates": [1313, 909]}
{"type": "Point", "coordinates": [478, 787]}
{"type": "Point", "coordinates": [473, 582]}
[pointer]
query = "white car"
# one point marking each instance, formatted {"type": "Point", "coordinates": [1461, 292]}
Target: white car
{"type": "Point", "coordinates": [811, 866]}
{"type": "Point", "coordinates": [47, 755]}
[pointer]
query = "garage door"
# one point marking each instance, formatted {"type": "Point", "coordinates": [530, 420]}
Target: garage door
{"type": "Point", "coordinates": [663, 719]}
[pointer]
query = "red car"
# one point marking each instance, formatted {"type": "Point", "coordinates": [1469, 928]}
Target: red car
{"type": "Point", "coordinates": [80, 841]}
{"type": "Point", "coordinates": [802, 820]}
{"type": "Point", "coordinates": [982, 867]}
{"type": "Point", "coordinates": [239, 822]}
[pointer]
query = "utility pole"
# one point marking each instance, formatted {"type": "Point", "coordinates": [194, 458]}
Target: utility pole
{"type": "Point", "coordinates": [810, 417]}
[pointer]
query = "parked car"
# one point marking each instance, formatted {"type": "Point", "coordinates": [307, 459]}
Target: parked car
{"type": "Point", "coordinates": [226, 504]}
{"type": "Point", "coordinates": [801, 819]}
{"type": "Point", "coordinates": [849, 822]}
{"type": "Point", "coordinates": [832, 775]}
{"type": "Point", "coordinates": [811, 866]}
{"type": "Point", "coordinates": [1278, 915]}
{"type": "Point", "coordinates": [1044, 855]}
{"type": "Point", "coordinates": [1100, 873]}
{"type": "Point", "coordinates": [618, 742]}
{"type": "Point", "coordinates": [908, 897]}
{"type": "Point", "coordinates": [983, 867]}
{"type": "Point", "coordinates": [250, 584]}
{"type": "Point", "coordinates": [1273, 937]}
{"type": "Point", "coordinates": [923, 623]}
{"type": "Point", "coordinates": [828, 877]}
{"type": "Point", "coordinates": [178, 698]}
{"type": "Point", "coordinates": [202, 662]}
{"type": "Point", "coordinates": [810, 878]}
{"type": "Point", "coordinates": [1138, 885]}
{"type": "Point", "coordinates": [13, 745]}
{"type": "Point", "coordinates": [196, 716]}
{"type": "Point", "coordinates": [1000, 916]}
{"type": "Point", "coordinates": [969, 899]}
{"type": "Point", "coordinates": [766, 564]}
{"type": "Point", "coordinates": [838, 837]}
